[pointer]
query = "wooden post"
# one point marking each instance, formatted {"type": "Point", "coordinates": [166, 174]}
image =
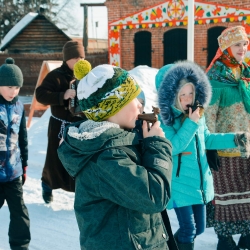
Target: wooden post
{"type": "Point", "coordinates": [85, 28]}
{"type": "Point", "coordinates": [85, 22]}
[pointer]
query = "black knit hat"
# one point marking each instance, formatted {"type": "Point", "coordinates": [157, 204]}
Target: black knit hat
{"type": "Point", "coordinates": [10, 74]}
{"type": "Point", "coordinates": [73, 49]}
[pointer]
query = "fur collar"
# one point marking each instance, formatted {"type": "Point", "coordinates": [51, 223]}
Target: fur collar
{"type": "Point", "coordinates": [169, 87]}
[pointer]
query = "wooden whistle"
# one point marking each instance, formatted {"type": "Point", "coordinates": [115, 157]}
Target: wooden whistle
{"type": "Point", "coordinates": [194, 107]}
{"type": "Point", "coordinates": [150, 117]}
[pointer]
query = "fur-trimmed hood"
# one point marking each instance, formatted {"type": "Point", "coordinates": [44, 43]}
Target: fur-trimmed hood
{"type": "Point", "coordinates": [168, 87]}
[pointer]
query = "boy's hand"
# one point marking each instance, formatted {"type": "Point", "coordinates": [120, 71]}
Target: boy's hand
{"type": "Point", "coordinates": [70, 93]}
{"type": "Point", "coordinates": [61, 141]}
{"type": "Point", "coordinates": [155, 130]}
{"type": "Point", "coordinates": [195, 116]}
{"type": "Point", "coordinates": [24, 176]}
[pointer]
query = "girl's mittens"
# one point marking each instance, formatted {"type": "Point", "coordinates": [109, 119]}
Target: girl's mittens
{"type": "Point", "coordinates": [242, 140]}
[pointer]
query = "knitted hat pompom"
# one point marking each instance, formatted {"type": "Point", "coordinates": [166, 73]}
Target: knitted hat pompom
{"type": "Point", "coordinates": [81, 69]}
{"type": "Point", "coordinates": [9, 60]}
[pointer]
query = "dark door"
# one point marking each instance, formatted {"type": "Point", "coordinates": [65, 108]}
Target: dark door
{"type": "Point", "coordinates": [212, 42]}
{"type": "Point", "coordinates": [175, 45]}
{"type": "Point", "coordinates": [142, 48]}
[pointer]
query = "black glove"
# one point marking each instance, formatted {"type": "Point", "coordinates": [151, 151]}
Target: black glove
{"type": "Point", "coordinates": [24, 176]}
{"type": "Point", "coordinates": [213, 159]}
{"type": "Point", "coordinates": [242, 140]}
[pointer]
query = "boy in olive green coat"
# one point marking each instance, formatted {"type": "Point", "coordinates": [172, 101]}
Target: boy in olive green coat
{"type": "Point", "coordinates": [122, 183]}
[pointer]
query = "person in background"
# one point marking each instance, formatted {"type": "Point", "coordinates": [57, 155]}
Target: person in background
{"type": "Point", "coordinates": [54, 91]}
{"type": "Point", "coordinates": [184, 92]}
{"type": "Point", "coordinates": [229, 111]}
{"type": "Point", "coordinates": [13, 154]}
{"type": "Point", "coordinates": [122, 186]}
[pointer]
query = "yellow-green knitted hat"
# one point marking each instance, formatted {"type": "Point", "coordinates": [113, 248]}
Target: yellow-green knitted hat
{"type": "Point", "coordinates": [105, 90]}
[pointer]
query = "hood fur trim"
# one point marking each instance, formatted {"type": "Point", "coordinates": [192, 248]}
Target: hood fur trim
{"type": "Point", "coordinates": [169, 87]}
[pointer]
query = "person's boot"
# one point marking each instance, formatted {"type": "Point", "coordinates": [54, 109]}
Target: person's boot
{"type": "Point", "coordinates": [183, 246]}
{"type": "Point", "coordinates": [47, 193]}
{"type": "Point", "coordinates": [244, 242]}
{"type": "Point", "coordinates": [226, 243]}
{"type": "Point", "coordinates": [47, 197]}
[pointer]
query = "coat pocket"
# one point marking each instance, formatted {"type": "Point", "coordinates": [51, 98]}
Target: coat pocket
{"type": "Point", "coordinates": [155, 238]}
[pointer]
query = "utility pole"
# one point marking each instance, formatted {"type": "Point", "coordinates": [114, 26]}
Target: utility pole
{"type": "Point", "coordinates": [85, 22]}
{"type": "Point", "coordinates": [96, 26]}
{"type": "Point", "coordinates": [85, 28]}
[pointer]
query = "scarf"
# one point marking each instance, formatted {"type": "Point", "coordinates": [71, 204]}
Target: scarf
{"type": "Point", "coordinates": [221, 74]}
{"type": "Point", "coordinates": [228, 59]}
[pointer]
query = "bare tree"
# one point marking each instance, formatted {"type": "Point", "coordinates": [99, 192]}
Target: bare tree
{"type": "Point", "coordinates": [58, 11]}
{"type": "Point", "coordinates": [66, 18]}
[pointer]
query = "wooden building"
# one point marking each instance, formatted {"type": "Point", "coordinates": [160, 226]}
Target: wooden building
{"type": "Point", "coordinates": [154, 32]}
{"type": "Point", "coordinates": [34, 34]}
{"type": "Point", "coordinates": [94, 44]}
{"type": "Point", "coordinates": [35, 39]}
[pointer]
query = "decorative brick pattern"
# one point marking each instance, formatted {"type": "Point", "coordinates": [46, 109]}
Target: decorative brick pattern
{"type": "Point", "coordinates": [118, 9]}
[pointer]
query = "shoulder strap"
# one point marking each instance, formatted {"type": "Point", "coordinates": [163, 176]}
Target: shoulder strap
{"type": "Point", "coordinates": [179, 165]}
{"type": "Point", "coordinates": [171, 241]}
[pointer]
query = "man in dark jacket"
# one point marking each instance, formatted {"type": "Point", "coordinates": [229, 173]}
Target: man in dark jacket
{"type": "Point", "coordinates": [54, 91]}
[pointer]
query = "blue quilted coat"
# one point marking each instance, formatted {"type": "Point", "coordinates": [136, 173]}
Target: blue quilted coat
{"type": "Point", "coordinates": [13, 139]}
{"type": "Point", "coordinates": [192, 181]}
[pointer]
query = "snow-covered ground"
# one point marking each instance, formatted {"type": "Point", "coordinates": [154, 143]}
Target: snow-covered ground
{"type": "Point", "coordinates": [54, 227]}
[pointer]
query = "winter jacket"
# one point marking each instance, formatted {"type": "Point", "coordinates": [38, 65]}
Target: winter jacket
{"type": "Point", "coordinates": [192, 181]}
{"type": "Point", "coordinates": [51, 92]}
{"type": "Point", "coordinates": [14, 141]}
{"type": "Point", "coordinates": [121, 186]}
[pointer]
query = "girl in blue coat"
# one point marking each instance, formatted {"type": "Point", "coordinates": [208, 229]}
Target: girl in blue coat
{"type": "Point", "coordinates": [180, 85]}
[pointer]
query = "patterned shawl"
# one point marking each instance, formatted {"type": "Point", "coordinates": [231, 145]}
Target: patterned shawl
{"type": "Point", "coordinates": [221, 76]}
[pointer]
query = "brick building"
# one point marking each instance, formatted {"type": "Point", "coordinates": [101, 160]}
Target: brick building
{"type": "Point", "coordinates": [154, 33]}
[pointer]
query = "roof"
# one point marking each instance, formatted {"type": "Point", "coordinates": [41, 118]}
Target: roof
{"type": "Point", "coordinates": [19, 27]}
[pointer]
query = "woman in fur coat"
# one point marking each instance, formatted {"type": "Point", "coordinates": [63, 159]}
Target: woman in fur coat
{"type": "Point", "coordinates": [180, 85]}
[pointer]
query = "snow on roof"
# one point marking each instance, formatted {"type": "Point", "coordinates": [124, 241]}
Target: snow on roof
{"type": "Point", "coordinates": [18, 28]}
